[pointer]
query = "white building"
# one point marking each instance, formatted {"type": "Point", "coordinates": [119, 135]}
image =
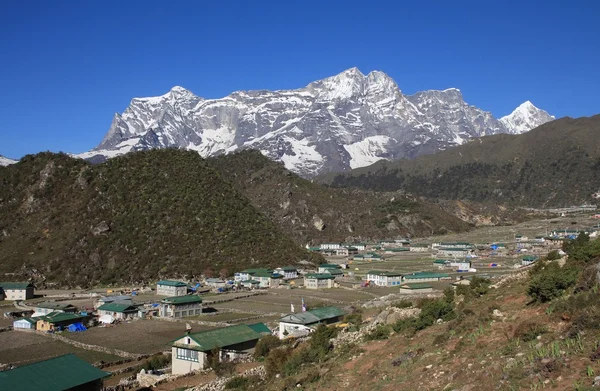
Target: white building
{"type": "Point", "coordinates": [319, 281]}
{"type": "Point", "coordinates": [25, 324]}
{"type": "Point", "coordinates": [16, 290]}
{"type": "Point", "coordinates": [180, 306]}
{"type": "Point", "coordinates": [192, 352]}
{"type": "Point", "coordinates": [383, 278]}
{"type": "Point", "coordinates": [419, 247]}
{"type": "Point", "coordinates": [303, 323]}
{"type": "Point", "coordinates": [331, 246]}
{"type": "Point", "coordinates": [171, 288]}
{"type": "Point", "coordinates": [288, 272]}
{"type": "Point", "coordinates": [110, 312]}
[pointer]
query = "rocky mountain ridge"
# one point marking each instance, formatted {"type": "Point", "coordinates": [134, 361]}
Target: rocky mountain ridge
{"type": "Point", "coordinates": [346, 121]}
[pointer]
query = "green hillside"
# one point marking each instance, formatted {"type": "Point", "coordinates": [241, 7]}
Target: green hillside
{"type": "Point", "coordinates": [136, 218]}
{"type": "Point", "coordinates": [556, 164]}
{"type": "Point", "coordinates": [310, 212]}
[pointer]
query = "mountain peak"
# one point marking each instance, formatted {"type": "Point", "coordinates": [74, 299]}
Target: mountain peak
{"type": "Point", "coordinates": [525, 117]}
{"type": "Point", "coordinates": [4, 161]}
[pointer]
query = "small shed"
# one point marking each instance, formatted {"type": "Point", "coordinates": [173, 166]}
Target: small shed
{"type": "Point", "coordinates": [24, 324]}
{"type": "Point", "coordinates": [415, 287]}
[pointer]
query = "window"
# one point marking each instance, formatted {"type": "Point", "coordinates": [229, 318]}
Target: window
{"type": "Point", "coordinates": [186, 354]}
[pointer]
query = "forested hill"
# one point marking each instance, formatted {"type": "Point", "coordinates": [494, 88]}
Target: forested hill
{"type": "Point", "coordinates": [135, 218]}
{"type": "Point", "coordinates": [310, 212]}
{"type": "Point", "coordinates": [556, 164]}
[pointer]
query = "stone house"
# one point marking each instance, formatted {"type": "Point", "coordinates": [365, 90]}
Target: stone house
{"type": "Point", "coordinates": [303, 323]}
{"type": "Point", "coordinates": [171, 288]}
{"type": "Point", "coordinates": [319, 281]}
{"type": "Point", "coordinates": [180, 306]}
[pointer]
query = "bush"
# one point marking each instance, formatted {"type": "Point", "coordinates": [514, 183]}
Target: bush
{"type": "Point", "coordinates": [265, 345]}
{"type": "Point", "coordinates": [275, 361]}
{"type": "Point", "coordinates": [551, 282]}
{"type": "Point", "coordinates": [158, 361]}
{"type": "Point", "coordinates": [380, 332]}
{"type": "Point", "coordinates": [528, 331]}
{"type": "Point", "coordinates": [553, 255]}
{"type": "Point", "coordinates": [355, 320]}
{"type": "Point", "coordinates": [244, 383]}
{"type": "Point", "coordinates": [402, 304]}
{"type": "Point", "coordinates": [220, 368]}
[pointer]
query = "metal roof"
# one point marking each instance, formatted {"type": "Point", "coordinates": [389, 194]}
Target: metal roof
{"type": "Point", "coordinates": [329, 266]}
{"type": "Point", "coordinates": [313, 316]}
{"type": "Point", "coordinates": [54, 305]}
{"type": "Point", "coordinates": [319, 276]}
{"type": "Point", "coordinates": [416, 285]}
{"type": "Point", "coordinates": [171, 283]}
{"type": "Point", "coordinates": [56, 374]}
{"type": "Point", "coordinates": [384, 273]}
{"type": "Point", "coordinates": [416, 276]}
{"type": "Point", "coordinates": [182, 299]}
{"type": "Point", "coordinates": [220, 338]}
{"type": "Point", "coordinates": [15, 285]}
{"type": "Point", "coordinates": [260, 328]}
{"type": "Point", "coordinates": [117, 307]}
{"type": "Point", "coordinates": [58, 317]}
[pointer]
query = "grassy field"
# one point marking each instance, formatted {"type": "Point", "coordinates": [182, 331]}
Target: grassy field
{"type": "Point", "coordinates": [142, 336]}
{"type": "Point", "coordinates": [19, 347]}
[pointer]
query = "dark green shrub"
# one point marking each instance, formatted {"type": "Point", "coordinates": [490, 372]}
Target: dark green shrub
{"type": "Point", "coordinates": [265, 345]}
{"type": "Point", "coordinates": [354, 320]}
{"type": "Point", "coordinates": [155, 362]}
{"type": "Point", "coordinates": [402, 304]}
{"type": "Point", "coordinates": [551, 282]}
{"type": "Point", "coordinates": [380, 332]}
{"type": "Point", "coordinates": [553, 255]}
{"type": "Point", "coordinates": [275, 361]}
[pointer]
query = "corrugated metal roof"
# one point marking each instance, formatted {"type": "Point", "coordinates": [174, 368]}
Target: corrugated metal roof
{"type": "Point", "coordinates": [182, 299]}
{"type": "Point", "coordinates": [56, 374]}
{"type": "Point", "coordinates": [117, 307]}
{"type": "Point", "coordinates": [171, 283]}
{"type": "Point", "coordinates": [54, 305]}
{"type": "Point", "coordinates": [416, 285]}
{"type": "Point", "coordinates": [383, 273]}
{"type": "Point", "coordinates": [313, 316]}
{"type": "Point", "coordinates": [15, 285]}
{"type": "Point", "coordinates": [58, 317]}
{"type": "Point", "coordinates": [260, 328]}
{"type": "Point", "coordinates": [223, 337]}
{"type": "Point", "coordinates": [416, 276]}
{"type": "Point", "coordinates": [320, 276]}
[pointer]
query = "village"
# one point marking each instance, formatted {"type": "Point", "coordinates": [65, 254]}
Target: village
{"type": "Point", "coordinates": [108, 332]}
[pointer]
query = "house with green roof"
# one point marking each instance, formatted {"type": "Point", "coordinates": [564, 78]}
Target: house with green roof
{"type": "Point", "coordinates": [16, 290]}
{"type": "Point", "coordinates": [384, 278]}
{"type": "Point", "coordinates": [180, 306]}
{"type": "Point", "coordinates": [56, 321]}
{"type": "Point", "coordinates": [110, 312]}
{"type": "Point", "coordinates": [288, 272]}
{"type": "Point", "coordinates": [425, 277]}
{"type": "Point", "coordinates": [319, 280]}
{"type": "Point", "coordinates": [192, 352]}
{"type": "Point", "coordinates": [267, 279]}
{"type": "Point", "coordinates": [248, 273]}
{"type": "Point", "coordinates": [415, 287]}
{"type": "Point", "coordinates": [62, 373]}
{"type": "Point", "coordinates": [41, 309]}
{"type": "Point", "coordinates": [528, 260]}
{"type": "Point", "coordinates": [171, 288]}
{"type": "Point", "coordinates": [324, 267]}
{"type": "Point", "coordinates": [303, 323]}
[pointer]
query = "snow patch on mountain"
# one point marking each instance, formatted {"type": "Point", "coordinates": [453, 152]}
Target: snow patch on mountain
{"type": "Point", "coordinates": [4, 161]}
{"type": "Point", "coordinates": [368, 151]}
{"type": "Point", "coordinates": [525, 117]}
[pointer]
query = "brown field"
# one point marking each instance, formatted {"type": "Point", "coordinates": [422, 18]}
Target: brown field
{"type": "Point", "coordinates": [142, 336]}
{"type": "Point", "coordinates": [222, 317]}
{"type": "Point", "coordinates": [21, 347]}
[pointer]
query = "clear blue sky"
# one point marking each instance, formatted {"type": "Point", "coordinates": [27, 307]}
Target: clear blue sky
{"type": "Point", "coordinates": [67, 66]}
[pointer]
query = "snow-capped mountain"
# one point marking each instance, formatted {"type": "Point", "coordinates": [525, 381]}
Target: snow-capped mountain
{"type": "Point", "coordinates": [525, 117]}
{"type": "Point", "coordinates": [346, 121]}
{"type": "Point", "coordinates": [4, 161]}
